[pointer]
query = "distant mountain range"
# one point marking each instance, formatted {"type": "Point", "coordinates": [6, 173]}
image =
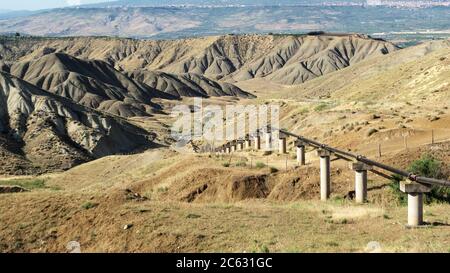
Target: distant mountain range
{"type": "Point", "coordinates": [126, 19]}
{"type": "Point", "coordinates": [220, 3]}
{"type": "Point", "coordinates": [225, 3]}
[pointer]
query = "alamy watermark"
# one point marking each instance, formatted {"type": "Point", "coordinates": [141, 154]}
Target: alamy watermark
{"type": "Point", "coordinates": [216, 123]}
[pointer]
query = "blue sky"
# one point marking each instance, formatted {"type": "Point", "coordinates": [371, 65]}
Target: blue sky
{"type": "Point", "coordinates": [42, 4]}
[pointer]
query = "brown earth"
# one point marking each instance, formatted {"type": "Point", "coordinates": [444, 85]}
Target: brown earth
{"type": "Point", "coordinates": [168, 211]}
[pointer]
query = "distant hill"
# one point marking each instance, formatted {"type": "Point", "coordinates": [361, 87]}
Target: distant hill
{"type": "Point", "coordinates": [161, 3]}
{"type": "Point", "coordinates": [161, 20]}
{"type": "Point", "coordinates": [187, 85]}
{"type": "Point", "coordinates": [282, 59]}
{"type": "Point", "coordinates": [91, 83]}
{"type": "Point", "coordinates": [42, 132]}
{"type": "Point", "coordinates": [417, 75]}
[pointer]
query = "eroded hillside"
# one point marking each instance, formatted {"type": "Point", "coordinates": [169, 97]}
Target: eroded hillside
{"type": "Point", "coordinates": [284, 59]}
{"type": "Point", "coordinates": [42, 132]}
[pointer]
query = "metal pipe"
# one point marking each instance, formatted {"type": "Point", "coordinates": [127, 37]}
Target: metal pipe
{"type": "Point", "coordinates": [411, 176]}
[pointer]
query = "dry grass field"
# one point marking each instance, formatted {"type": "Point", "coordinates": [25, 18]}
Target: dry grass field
{"type": "Point", "coordinates": [157, 202]}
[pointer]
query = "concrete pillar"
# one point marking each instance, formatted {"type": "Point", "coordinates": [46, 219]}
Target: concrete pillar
{"type": "Point", "coordinates": [325, 174]}
{"type": "Point", "coordinates": [257, 140]}
{"type": "Point", "coordinates": [233, 147]}
{"type": "Point", "coordinates": [268, 141]}
{"type": "Point", "coordinates": [415, 209]}
{"type": "Point", "coordinates": [248, 144]}
{"type": "Point", "coordinates": [240, 146]}
{"type": "Point", "coordinates": [415, 193]}
{"type": "Point", "coordinates": [301, 158]}
{"type": "Point", "coordinates": [360, 180]}
{"type": "Point", "coordinates": [228, 150]}
{"type": "Point", "coordinates": [282, 145]}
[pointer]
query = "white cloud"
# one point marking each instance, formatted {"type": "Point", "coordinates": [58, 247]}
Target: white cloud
{"type": "Point", "coordinates": [73, 2]}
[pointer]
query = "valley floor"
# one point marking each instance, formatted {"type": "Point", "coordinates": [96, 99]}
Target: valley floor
{"type": "Point", "coordinates": [157, 202]}
{"type": "Point", "coordinates": [36, 224]}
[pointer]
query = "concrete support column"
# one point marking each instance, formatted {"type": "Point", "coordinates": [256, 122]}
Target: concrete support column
{"type": "Point", "coordinates": [301, 158]}
{"type": "Point", "coordinates": [360, 186]}
{"type": "Point", "coordinates": [415, 193]}
{"type": "Point", "coordinates": [360, 180]}
{"type": "Point", "coordinates": [282, 145]}
{"type": "Point", "coordinates": [257, 140]}
{"type": "Point", "coordinates": [248, 144]}
{"type": "Point", "coordinates": [268, 141]}
{"type": "Point", "coordinates": [233, 147]}
{"type": "Point", "coordinates": [227, 150]}
{"type": "Point", "coordinates": [240, 146]}
{"type": "Point", "coordinates": [325, 174]}
{"type": "Point", "coordinates": [415, 209]}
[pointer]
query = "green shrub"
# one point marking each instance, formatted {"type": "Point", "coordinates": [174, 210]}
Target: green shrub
{"type": "Point", "coordinates": [429, 166]}
{"type": "Point", "coordinates": [320, 107]}
{"type": "Point", "coordinates": [304, 111]}
{"type": "Point", "coordinates": [241, 164]}
{"type": "Point", "coordinates": [163, 189]}
{"type": "Point", "coordinates": [426, 166]}
{"type": "Point", "coordinates": [260, 165]}
{"type": "Point", "coordinates": [89, 205]}
{"type": "Point", "coordinates": [264, 249]}
{"type": "Point", "coordinates": [226, 164]}
{"type": "Point", "coordinates": [273, 170]}
{"type": "Point", "coordinates": [438, 194]}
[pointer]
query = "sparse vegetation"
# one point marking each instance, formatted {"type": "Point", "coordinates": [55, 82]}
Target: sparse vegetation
{"type": "Point", "coordinates": [321, 107]}
{"type": "Point", "coordinates": [260, 165]}
{"type": "Point", "coordinates": [395, 189]}
{"type": "Point", "coordinates": [332, 244]}
{"type": "Point", "coordinates": [193, 216]}
{"type": "Point", "coordinates": [304, 111]}
{"type": "Point", "coordinates": [241, 164]}
{"type": "Point", "coordinates": [89, 205]}
{"type": "Point", "coordinates": [265, 249]}
{"type": "Point", "coordinates": [429, 166]}
{"type": "Point", "coordinates": [260, 247]}
{"type": "Point", "coordinates": [29, 184]}
{"type": "Point", "coordinates": [163, 189]}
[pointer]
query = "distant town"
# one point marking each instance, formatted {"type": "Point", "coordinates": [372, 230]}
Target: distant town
{"type": "Point", "coordinates": [408, 4]}
{"type": "Point", "coordinates": [330, 3]}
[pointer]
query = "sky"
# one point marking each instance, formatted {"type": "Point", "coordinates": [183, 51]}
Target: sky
{"type": "Point", "coordinates": [42, 4]}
